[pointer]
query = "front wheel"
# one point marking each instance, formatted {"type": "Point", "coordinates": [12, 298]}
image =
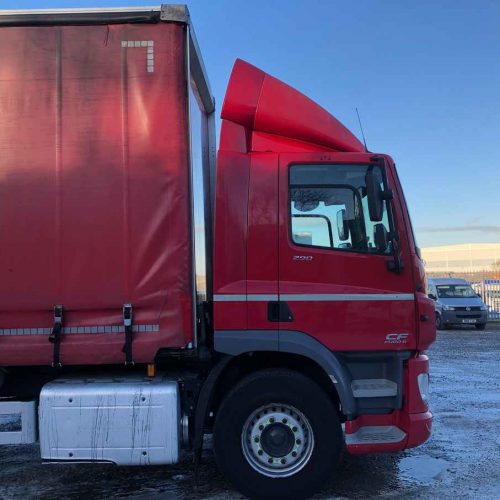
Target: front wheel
{"type": "Point", "coordinates": [439, 322]}
{"type": "Point", "coordinates": [277, 435]}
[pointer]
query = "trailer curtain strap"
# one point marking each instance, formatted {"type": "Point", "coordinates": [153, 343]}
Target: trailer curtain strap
{"type": "Point", "coordinates": [55, 336]}
{"type": "Point", "coordinates": [127, 323]}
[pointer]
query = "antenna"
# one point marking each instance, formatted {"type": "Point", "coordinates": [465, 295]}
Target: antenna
{"type": "Point", "coordinates": [362, 132]}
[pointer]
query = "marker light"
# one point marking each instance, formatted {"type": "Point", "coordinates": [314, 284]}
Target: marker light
{"type": "Point", "coordinates": [423, 386]}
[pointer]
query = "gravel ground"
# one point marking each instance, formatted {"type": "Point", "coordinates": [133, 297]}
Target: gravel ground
{"type": "Point", "coordinates": [462, 458]}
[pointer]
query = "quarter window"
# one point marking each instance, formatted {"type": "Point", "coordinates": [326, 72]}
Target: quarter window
{"type": "Point", "coordinates": [329, 208]}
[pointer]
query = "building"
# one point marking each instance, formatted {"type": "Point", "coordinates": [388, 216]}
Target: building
{"type": "Point", "coordinates": [469, 258]}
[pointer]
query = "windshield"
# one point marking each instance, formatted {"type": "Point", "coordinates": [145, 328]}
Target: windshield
{"type": "Point", "coordinates": [455, 291]}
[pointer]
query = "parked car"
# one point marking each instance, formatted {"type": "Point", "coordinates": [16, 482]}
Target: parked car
{"type": "Point", "coordinates": [457, 303]}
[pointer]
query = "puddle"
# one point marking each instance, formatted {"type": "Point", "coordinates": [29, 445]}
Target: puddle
{"type": "Point", "coordinates": [180, 477]}
{"type": "Point", "coordinates": [421, 469]}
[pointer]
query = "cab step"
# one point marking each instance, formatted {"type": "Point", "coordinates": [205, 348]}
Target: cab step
{"type": "Point", "coordinates": [374, 388]}
{"type": "Point", "coordinates": [375, 434]}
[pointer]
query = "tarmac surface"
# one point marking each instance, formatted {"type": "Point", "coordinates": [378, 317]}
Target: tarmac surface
{"type": "Point", "coordinates": [461, 460]}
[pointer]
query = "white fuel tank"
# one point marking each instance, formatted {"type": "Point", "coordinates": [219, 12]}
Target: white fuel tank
{"type": "Point", "coordinates": [125, 420]}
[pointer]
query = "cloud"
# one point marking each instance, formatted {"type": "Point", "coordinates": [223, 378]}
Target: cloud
{"type": "Point", "coordinates": [479, 228]}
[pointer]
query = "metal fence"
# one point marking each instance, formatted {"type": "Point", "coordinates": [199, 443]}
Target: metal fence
{"type": "Point", "coordinates": [490, 292]}
{"type": "Point", "coordinates": [486, 283]}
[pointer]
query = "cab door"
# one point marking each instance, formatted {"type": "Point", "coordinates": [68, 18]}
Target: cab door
{"type": "Point", "coordinates": [340, 276]}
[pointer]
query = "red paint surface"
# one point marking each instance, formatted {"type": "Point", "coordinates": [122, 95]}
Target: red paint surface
{"type": "Point", "coordinates": [230, 251]}
{"type": "Point", "coordinates": [262, 243]}
{"type": "Point", "coordinates": [343, 325]}
{"type": "Point", "coordinates": [263, 103]}
{"type": "Point", "coordinates": [264, 118]}
{"type": "Point", "coordinates": [94, 203]}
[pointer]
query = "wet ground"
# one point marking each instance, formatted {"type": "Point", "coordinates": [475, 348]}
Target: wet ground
{"type": "Point", "coordinates": [462, 459]}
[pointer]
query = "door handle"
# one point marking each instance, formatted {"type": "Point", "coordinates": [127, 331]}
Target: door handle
{"type": "Point", "coordinates": [278, 310]}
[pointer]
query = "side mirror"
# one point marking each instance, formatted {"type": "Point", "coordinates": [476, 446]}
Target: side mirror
{"type": "Point", "coordinates": [342, 225]}
{"type": "Point", "coordinates": [432, 296]}
{"type": "Point", "coordinates": [380, 237]}
{"type": "Point", "coordinates": [375, 194]}
{"type": "Point", "coordinates": [479, 295]}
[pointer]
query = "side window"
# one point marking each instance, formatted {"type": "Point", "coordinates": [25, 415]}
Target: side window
{"type": "Point", "coordinates": [315, 230]}
{"type": "Point", "coordinates": [329, 208]}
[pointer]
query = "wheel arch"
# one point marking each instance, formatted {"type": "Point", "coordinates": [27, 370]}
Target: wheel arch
{"type": "Point", "coordinates": [294, 350]}
{"type": "Point", "coordinates": [246, 351]}
{"type": "Point", "coordinates": [245, 364]}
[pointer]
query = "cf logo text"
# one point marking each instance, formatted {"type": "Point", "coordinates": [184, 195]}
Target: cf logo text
{"type": "Point", "coordinates": [396, 338]}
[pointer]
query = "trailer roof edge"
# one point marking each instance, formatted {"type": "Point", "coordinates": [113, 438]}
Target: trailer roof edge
{"type": "Point", "coordinates": [177, 13]}
{"type": "Point", "coordinates": [107, 15]}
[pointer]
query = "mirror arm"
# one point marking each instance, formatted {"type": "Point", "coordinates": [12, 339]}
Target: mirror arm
{"type": "Point", "coordinates": [396, 265]}
{"type": "Point", "coordinates": [387, 195]}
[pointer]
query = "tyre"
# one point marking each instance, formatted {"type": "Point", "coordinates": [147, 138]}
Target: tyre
{"type": "Point", "coordinates": [277, 435]}
{"type": "Point", "coordinates": [439, 323]}
{"type": "Point", "coordinates": [481, 326]}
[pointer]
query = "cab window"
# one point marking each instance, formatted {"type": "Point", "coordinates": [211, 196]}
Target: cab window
{"type": "Point", "coordinates": [330, 208]}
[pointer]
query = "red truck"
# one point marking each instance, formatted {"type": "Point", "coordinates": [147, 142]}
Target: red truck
{"type": "Point", "coordinates": [150, 295]}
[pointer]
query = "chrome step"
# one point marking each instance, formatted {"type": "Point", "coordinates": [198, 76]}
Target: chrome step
{"type": "Point", "coordinates": [374, 388]}
{"type": "Point", "coordinates": [376, 434]}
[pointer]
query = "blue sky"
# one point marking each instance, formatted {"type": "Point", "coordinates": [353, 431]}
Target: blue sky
{"type": "Point", "coordinates": [425, 76]}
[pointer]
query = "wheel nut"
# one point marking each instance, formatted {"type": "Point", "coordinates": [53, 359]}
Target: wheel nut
{"type": "Point", "coordinates": [294, 454]}
{"type": "Point", "coordinates": [284, 420]}
{"type": "Point", "coordinates": [271, 420]}
{"type": "Point", "coordinates": [283, 461]}
{"type": "Point", "coordinates": [298, 441]}
{"type": "Point", "coordinates": [261, 427]}
{"type": "Point", "coordinates": [270, 460]}
{"type": "Point", "coordinates": [260, 452]}
{"type": "Point", "coordinates": [294, 429]}
{"type": "Point", "coordinates": [256, 439]}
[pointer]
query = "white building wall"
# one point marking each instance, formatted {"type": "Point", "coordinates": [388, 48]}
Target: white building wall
{"type": "Point", "coordinates": [465, 258]}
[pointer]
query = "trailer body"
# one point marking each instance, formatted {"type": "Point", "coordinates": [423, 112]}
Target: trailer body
{"type": "Point", "coordinates": [96, 191]}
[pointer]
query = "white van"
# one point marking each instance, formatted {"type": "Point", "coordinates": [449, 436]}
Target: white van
{"type": "Point", "coordinates": [456, 303]}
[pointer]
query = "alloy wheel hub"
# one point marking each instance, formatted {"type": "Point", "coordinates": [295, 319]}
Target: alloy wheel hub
{"type": "Point", "coordinates": [277, 440]}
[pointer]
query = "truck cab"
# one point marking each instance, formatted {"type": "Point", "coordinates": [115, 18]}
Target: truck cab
{"type": "Point", "coordinates": [315, 259]}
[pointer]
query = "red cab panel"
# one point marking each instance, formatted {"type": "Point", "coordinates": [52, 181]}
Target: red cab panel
{"type": "Point", "coordinates": [346, 297]}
